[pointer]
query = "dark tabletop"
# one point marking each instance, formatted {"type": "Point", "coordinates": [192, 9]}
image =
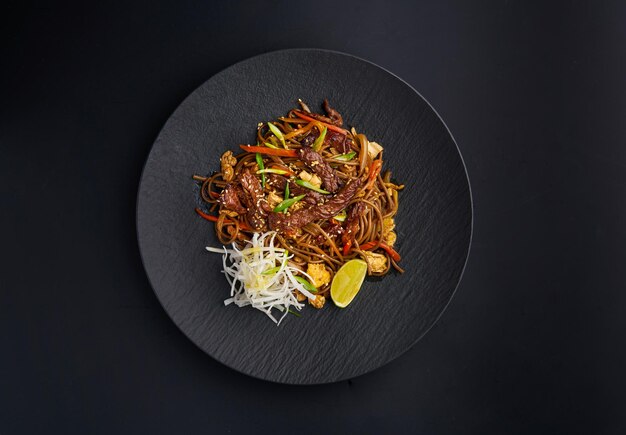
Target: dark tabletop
{"type": "Point", "coordinates": [533, 341]}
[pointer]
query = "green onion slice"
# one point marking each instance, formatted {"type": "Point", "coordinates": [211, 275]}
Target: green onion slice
{"type": "Point", "coordinates": [341, 216]}
{"type": "Point", "coordinates": [271, 271]}
{"type": "Point", "coordinates": [287, 193]}
{"type": "Point", "coordinates": [345, 157]}
{"type": "Point", "coordinates": [272, 171]}
{"type": "Point", "coordinates": [259, 162]}
{"type": "Point", "coordinates": [311, 186]}
{"type": "Point", "coordinates": [277, 133]}
{"type": "Point", "coordinates": [287, 203]}
{"type": "Point", "coordinates": [306, 284]}
{"type": "Point", "coordinates": [320, 140]}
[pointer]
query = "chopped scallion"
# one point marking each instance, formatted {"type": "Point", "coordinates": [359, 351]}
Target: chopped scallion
{"type": "Point", "coordinates": [311, 186]}
{"type": "Point", "coordinates": [306, 284]}
{"type": "Point", "coordinates": [259, 162]}
{"type": "Point", "coordinates": [272, 171]}
{"type": "Point", "coordinates": [277, 133]}
{"type": "Point", "coordinates": [287, 203]}
{"type": "Point", "coordinates": [345, 157]}
{"type": "Point", "coordinates": [320, 140]}
{"type": "Point", "coordinates": [341, 216]}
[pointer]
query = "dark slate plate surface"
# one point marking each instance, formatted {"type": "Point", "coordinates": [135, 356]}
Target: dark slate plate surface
{"type": "Point", "coordinates": [388, 316]}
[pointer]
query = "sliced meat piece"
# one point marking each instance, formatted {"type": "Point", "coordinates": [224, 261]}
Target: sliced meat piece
{"type": "Point", "coordinates": [333, 114]}
{"type": "Point", "coordinates": [352, 222]}
{"type": "Point", "coordinates": [333, 118]}
{"type": "Point", "coordinates": [338, 202]}
{"type": "Point", "coordinates": [252, 185]}
{"type": "Point", "coordinates": [278, 182]}
{"type": "Point", "coordinates": [229, 198]}
{"type": "Point", "coordinates": [258, 206]}
{"type": "Point", "coordinates": [311, 198]}
{"type": "Point", "coordinates": [308, 140]}
{"type": "Point", "coordinates": [340, 142]}
{"type": "Point", "coordinates": [330, 180]}
{"type": "Point", "coordinates": [291, 222]}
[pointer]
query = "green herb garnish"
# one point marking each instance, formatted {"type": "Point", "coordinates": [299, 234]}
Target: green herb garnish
{"type": "Point", "coordinates": [259, 162]}
{"type": "Point", "coordinates": [277, 133]}
{"type": "Point", "coordinates": [320, 140]}
{"type": "Point", "coordinates": [311, 186]}
{"type": "Point", "coordinates": [287, 203]}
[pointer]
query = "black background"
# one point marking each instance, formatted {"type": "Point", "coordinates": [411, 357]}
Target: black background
{"type": "Point", "coordinates": [534, 340]}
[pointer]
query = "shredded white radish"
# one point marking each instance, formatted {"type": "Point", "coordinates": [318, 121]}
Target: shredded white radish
{"type": "Point", "coordinates": [259, 275]}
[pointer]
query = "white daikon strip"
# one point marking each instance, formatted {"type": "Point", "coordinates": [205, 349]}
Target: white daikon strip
{"type": "Point", "coordinates": [249, 286]}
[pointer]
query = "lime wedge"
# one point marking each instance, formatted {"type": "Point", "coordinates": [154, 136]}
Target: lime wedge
{"type": "Point", "coordinates": [347, 282]}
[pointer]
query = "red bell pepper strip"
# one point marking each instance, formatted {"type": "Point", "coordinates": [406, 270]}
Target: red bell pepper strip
{"type": "Point", "coordinates": [329, 126]}
{"type": "Point", "coordinates": [347, 247]}
{"type": "Point", "coordinates": [269, 151]}
{"type": "Point", "coordinates": [371, 245]}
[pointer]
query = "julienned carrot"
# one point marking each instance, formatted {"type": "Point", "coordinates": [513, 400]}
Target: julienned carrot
{"type": "Point", "coordinates": [329, 126]}
{"type": "Point", "coordinates": [371, 245]}
{"type": "Point", "coordinates": [212, 218]}
{"type": "Point", "coordinates": [269, 151]}
{"type": "Point", "coordinates": [373, 173]}
{"type": "Point", "coordinates": [304, 129]}
{"type": "Point", "coordinates": [207, 216]}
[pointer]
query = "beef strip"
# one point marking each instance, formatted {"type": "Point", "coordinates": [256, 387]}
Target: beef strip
{"type": "Point", "coordinates": [229, 199]}
{"type": "Point", "coordinates": [340, 142]}
{"type": "Point", "coordinates": [308, 140]}
{"type": "Point", "coordinates": [312, 198]}
{"type": "Point", "coordinates": [291, 222]}
{"type": "Point", "coordinates": [333, 114]}
{"type": "Point", "coordinates": [278, 182]}
{"type": "Point", "coordinates": [257, 204]}
{"type": "Point", "coordinates": [352, 222]}
{"type": "Point", "coordinates": [330, 180]}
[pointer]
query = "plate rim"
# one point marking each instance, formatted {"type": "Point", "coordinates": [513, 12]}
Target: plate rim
{"type": "Point", "coordinates": [467, 179]}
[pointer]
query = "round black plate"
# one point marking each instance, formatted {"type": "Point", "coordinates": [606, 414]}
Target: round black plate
{"type": "Point", "coordinates": [388, 316]}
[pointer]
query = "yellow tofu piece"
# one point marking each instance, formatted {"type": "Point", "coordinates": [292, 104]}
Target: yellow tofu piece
{"type": "Point", "coordinates": [374, 149]}
{"type": "Point", "coordinates": [297, 206]}
{"type": "Point", "coordinates": [319, 274]}
{"type": "Point", "coordinates": [388, 225]}
{"type": "Point", "coordinates": [311, 178]}
{"type": "Point", "coordinates": [273, 199]}
{"type": "Point", "coordinates": [378, 262]}
{"type": "Point", "coordinates": [318, 302]}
